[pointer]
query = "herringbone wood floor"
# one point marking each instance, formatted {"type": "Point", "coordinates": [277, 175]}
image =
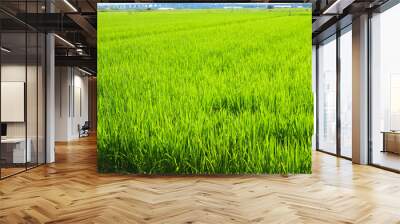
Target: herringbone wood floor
{"type": "Point", "coordinates": [71, 191]}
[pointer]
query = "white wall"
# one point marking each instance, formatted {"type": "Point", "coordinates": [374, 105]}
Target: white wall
{"type": "Point", "coordinates": [70, 83]}
{"type": "Point", "coordinates": [12, 73]}
{"type": "Point", "coordinates": [81, 83]}
{"type": "Point", "coordinates": [62, 82]}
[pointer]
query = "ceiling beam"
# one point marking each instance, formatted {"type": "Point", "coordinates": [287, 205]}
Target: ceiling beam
{"type": "Point", "coordinates": [84, 24]}
{"type": "Point", "coordinates": [77, 61]}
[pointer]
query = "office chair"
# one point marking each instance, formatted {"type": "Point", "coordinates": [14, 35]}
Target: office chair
{"type": "Point", "coordinates": [84, 130]}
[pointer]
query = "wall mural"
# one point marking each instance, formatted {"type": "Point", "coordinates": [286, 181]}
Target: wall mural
{"type": "Point", "coordinates": [204, 91]}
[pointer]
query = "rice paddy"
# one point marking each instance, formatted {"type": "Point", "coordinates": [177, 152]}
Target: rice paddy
{"type": "Point", "coordinates": [205, 92]}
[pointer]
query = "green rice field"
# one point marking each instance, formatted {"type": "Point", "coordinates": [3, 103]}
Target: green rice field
{"type": "Point", "coordinates": [205, 92]}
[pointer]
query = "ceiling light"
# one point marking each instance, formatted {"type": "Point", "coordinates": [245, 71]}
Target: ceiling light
{"type": "Point", "coordinates": [70, 5]}
{"type": "Point", "coordinates": [79, 51]}
{"type": "Point", "coordinates": [65, 41]}
{"type": "Point", "coordinates": [84, 71]}
{"type": "Point", "coordinates": [5, 50]}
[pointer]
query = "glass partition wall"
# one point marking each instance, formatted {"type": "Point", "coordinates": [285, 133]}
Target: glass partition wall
{"type": "Point", "coordinates": [334, 94]}
{"type": "Point", "coordinates": [13, 89]}
{"type": "Point", "coordinates": [327, 95]}
{"type": "Point", "coordinates": [385, 89]}
{"type": "Point", "coordinates": [334, 105]}
{"type": "Point", "coordinates": [22, 94]}
{"type": "Point", "coordinates": [346, 95]}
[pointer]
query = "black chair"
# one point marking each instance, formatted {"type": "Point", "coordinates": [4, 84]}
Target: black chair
{"type": "Point", "coordinates": [84, 130]}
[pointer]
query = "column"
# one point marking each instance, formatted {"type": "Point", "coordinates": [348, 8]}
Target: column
{"type": "Point", "coordinates": [360, 90]}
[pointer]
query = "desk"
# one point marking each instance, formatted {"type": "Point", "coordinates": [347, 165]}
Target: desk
{"type": "Point", "coordinates": [15, 148]}
{"type": "Point", "coordinates": [391, 141]}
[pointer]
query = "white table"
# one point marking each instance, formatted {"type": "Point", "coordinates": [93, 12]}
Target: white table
{"type": "Point", "coordinates": [18, 144]}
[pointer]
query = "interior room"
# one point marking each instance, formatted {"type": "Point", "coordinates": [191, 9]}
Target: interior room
{"type": "Point", "coordinates": [385, 90]}
{"type": "Point", "coordinates": [49, 171]}
{"type": "Point", "coordinates": [28, 56]}
{"type": "Point", "coordinates": [22, 99]}
{"type": "Point", "coordinates": [72, 103]}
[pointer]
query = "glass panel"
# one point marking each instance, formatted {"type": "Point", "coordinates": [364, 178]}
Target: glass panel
{"type": "Point", "coordinates": [327, 96]}
{"type": "Point", "coordinates": [22, 90]}
{"type": "Point", "coordinates": [14, 153]}
{"type": "Point", "coordinates": [314, 64]}
{"type": "Point", "coordinates": [41, 99]}
{"type": "Point", "coordinates": [346, 93]}
{"type": "Point", "coordinates": [386, 89]}
{"type": "Point", "coordinates": [32, 88]}
{"type": "Point", "coordinates": [32, 95]}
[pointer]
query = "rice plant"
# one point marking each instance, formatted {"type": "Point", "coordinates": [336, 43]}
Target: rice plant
{"type": "Point", "coordinates": [205, 92]}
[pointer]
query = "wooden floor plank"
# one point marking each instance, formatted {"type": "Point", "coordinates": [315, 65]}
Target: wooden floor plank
{"type": "Point", "coordinates": [71, 191]}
